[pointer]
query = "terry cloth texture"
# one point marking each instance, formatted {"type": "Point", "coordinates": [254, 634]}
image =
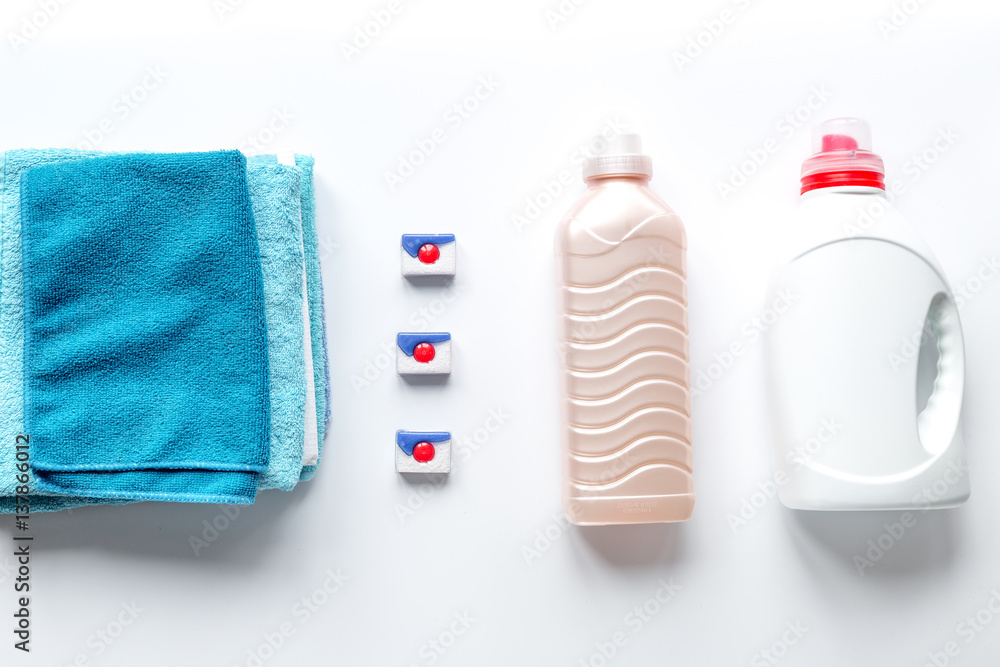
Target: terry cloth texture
{"type": "Point", "coordinates": [317, 315]}
{"type": "Point", "coordinates": [310, 445]}
{"type": "Point", "coordinates": [12, 165]}
{"type": "Point", "coordinates": [145, 339]}
{"type": "Point", "coordinates": [274, 193]}
{"type": "Point", "coordinates": [317, 306]}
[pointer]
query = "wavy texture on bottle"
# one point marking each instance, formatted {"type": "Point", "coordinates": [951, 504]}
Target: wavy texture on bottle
{"type": "Point", "coordinates": [647, 365]}
{"type": "Point", "coordinates": [603, 469]}
{"type": "Point", "coordinates": [623, 325]}
{"type": "Point", "coordinates": [647, 393]}
{"type": "Point", "coordinates": [643, 338]}
{"type": "Point", "coordinates": [637, 310]}
{"type": "Point", "coordinates": [637, 282]}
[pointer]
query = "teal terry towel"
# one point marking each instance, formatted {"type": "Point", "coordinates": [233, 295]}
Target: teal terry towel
{"type": "Point", "coordinates": [12, 165]}
{"type": "Point", "coordinates": [145, 339]}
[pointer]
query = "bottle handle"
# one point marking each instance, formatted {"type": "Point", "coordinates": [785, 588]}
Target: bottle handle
{"type": "Point", "coordinates": [938, 421]}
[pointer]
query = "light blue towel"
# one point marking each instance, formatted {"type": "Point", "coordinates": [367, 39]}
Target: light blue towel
{"type": "Point", "coordinates": [145, 339]}
{"type": "Point", "coordinates": [314, 287]}
{"type": "Point", "coordinates": [317, 306]}
{"type": "Point", "coordinates": [274, 192]}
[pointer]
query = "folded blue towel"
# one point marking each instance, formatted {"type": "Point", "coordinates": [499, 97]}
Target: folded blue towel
{"type": "Point", "coordinates": [146, 370]}
{"type": "Point", "coordinates": [14, 163]}
{"type": "Point", "coordinates": [274, 193]}
{"type": "Point", "coordinates": [317, 309]}
{"type": "Point", "coordinates": [283, 457]}
{"type": "Point", "coordinates": [317, 315]}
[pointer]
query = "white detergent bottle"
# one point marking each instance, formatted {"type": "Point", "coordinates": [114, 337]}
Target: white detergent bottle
{"type": "Point", "coordinates": [864, 361]}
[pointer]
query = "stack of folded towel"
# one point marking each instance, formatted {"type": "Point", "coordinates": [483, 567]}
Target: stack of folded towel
{"type": "Point", "coordinates": [161, 326]}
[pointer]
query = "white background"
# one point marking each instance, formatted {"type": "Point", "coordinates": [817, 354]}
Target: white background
{"type": "Point", "coordinates": [476, 544]}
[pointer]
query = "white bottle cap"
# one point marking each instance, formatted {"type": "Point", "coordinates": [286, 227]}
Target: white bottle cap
{"type": "Point", "coordinates": [620, 155]}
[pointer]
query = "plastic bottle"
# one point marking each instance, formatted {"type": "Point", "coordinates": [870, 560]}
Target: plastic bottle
{"type": "Point", "coordinates": [626, 427]}
{"type": "Point", "coordinates": [864, 359]}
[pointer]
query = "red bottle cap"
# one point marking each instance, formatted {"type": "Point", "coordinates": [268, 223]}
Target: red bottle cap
{"type": "Point", "coordinates": [842, 156]}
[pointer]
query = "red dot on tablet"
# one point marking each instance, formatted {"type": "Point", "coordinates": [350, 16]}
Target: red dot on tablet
{"type": "Point", "coordinates": [423, 452]}
{"type": "Point", "coordinates": [423, 352]}
{"type": "Point", "coordinates": [428, 253]}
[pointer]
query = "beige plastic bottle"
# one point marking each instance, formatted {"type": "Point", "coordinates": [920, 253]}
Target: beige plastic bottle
{"type": "Point", "coordinates": [626, 404]}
